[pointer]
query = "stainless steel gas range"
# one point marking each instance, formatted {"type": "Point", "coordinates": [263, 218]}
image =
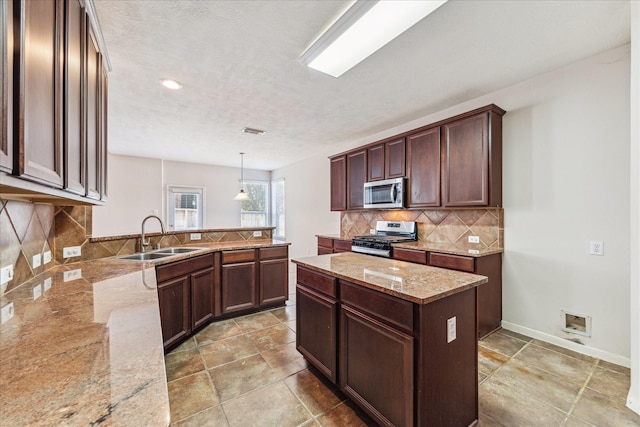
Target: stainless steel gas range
{"type": "Point", "coordinates": [387, 233]}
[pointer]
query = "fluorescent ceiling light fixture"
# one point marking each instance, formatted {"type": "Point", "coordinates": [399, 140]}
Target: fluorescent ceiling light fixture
{"type": "Point", "coordinates": [364, 28]}
{"type": "Point", "coordinates": [170, 84]}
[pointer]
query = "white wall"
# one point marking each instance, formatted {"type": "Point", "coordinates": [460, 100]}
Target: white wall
{"type": "Point", "coordinates": [307, 201]}
{"type": "Point", "coordinates": [633, 400]}
{"type": "Point", "coordinates": [137, 188]}
{"type": "Point", "coordinates": [566, 182]}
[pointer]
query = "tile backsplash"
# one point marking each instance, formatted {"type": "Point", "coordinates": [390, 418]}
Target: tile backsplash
{"type": "Point", "coordinates": [443, 226]}
{"type": "Point", "coordinates": [28, 229]}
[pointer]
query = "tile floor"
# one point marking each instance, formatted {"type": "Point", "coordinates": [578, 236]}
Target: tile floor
{"type": "Point", "coordinates": [247, 372]}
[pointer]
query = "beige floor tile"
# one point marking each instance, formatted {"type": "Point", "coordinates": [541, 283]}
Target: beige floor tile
{"type": "Point", "coordinates": [575, 422]}
{"type": "Point", "coordinates": [489, 360]}
{"type": "Point", "coordinates": [501, 343]}
{"type": "Point", "coordinates": [189, 343]}
{"type": "Point", "coordinates": [286, 313]}
{"type": "Point", "coordinates": [609, 382]}
{"type": "Point", "coordinates": [239, 377]}
{"type": "Point", "coordinates": [227, 350]}
{"type": "Point", "coordinates": [564, 351]}
{"type": "Point", "coordinates": [212, 417]}
{"type": "Point", "coordinates": [613, 367]}
{"type": "Point", "coordinates": [182, 363]}
{"type": "Point", "coordinates": [546, 387]}
{"type": "Point", "coordinates": [218, 331]}
{"type": "Point", "coordinates": [602, 410]}
{"type": "Point", "coordinates": [486, 421]}
{"type": "Point", "coordinates": [510, 406]}
{"type": "Point", "coordinates": [273, 405]}
{"type": "Point", "coordinates": [345, 414]}
{"type": "Point", "coordinates": [285, 360]}
{"type": "Point", "coordinates": [514, 335]}
{"type": "Point", "coordinates": [190, 395]}
{"type": "Point", "coordinates": [568, 367]}
{"type": "Point", "coordinates": [272, 337]}
{"type": "Point", "coordinates": [291, 325]}
{"type": "Point", "coordinates": [318, 394]}
{"type": "Point", "coordinates": [256, 322]}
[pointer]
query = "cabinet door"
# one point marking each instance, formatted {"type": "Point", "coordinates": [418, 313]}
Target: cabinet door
{"type": "Point", "coordinates": [423, 153]}
{"type": "Point", "coordinates": [376, 367]}
{"type": "Point", "coordinates": [103, 135]}
{"type": "Point", "coordinates": [395, 159]}
{"type": "Point", "coordinates": [466, 162]}
{"type": "Point", "coordinates": [202, 297]}
{"type": "Point", "coordinates": [375, 163]}
{"type": "Point", "coordinates": [316, 328]}
{"type": "Point", "coordinates": [274, 275]}
{"type": "Point", "coordinates": [74, 139]}
{"type": "Point", "coordinates": [40, 109]}
{"type": "Point", "coordinates": [93, 119]}
{"type": "Point", "coordinates": [173, 298]}
{"type": "Point", "coordinates": [6, 86]}
{"type": "Point", "coordinates": [339, 183]}
{"type": "Point", "coordinates": [238, 287]}
{"type": "Point", "coordinates": [356, 176]}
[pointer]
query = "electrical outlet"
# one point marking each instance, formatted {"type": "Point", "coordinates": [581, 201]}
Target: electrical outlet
{"type": "Point", "coordinates": [37, 292]}
{"type": "Point", "coordinates": [71, 251]}
{"type": "Point", "coordinates": [195, 236]}
{"type": "Point", "coordinates": [6, 313]}
{"type": "Point", "coordinates": [257, 233]}
{"type": "Point", "coordinates": [6, 274]}
{"type": "Point", "coordinates": [36, 261]}
{"type": "Point", "coordinates": [72, 275]}
{"type": "Point", "coordinates": [474, 251]}
{"type": "Point", "coordinates": [47, 284]}
{"type": "Point", "coordinates": [372, 231]}
{"type": "Point", "coordinates": [46, 257]}
{"type": "Point", "coordinates": [596, 248]}
{"type": "Point", "coordinates": [451, 329]}
{"type": "Point", "coordinates": [474, 239]}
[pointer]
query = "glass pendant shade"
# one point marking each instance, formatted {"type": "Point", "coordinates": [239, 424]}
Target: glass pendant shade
{"type": "Point", "coordinates": [241, 194]}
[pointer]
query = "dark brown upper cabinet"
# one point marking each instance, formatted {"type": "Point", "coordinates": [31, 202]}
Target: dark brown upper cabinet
{"type": "Point", "coordinates": [356, 177]}
{"type": "Point", "coordinates": [423, 154]}
{"type": "Point", "coordinates": [6, 86]}
{"type": "Point", "coordinates": [74, 106]}
{"type": "Point", "coordinates": [338, 176]}
{"type": "Point", "coordinates": [39, 90]}
{"type": "Point", "coordinates": [93, 118]}
{"type": "Point", "coordinates": [472, 160]}
{"type": "Point", "coordinates": [386, 160]}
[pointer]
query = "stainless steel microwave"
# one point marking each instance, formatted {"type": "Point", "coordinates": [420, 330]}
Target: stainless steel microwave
{"type": "Point", "coordinates": [385, 194]}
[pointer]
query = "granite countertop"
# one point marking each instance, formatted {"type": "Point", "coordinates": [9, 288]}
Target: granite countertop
{"type": "Point", "coordinates": [84, 346]}
{"type": "Point", "coordinates": [412, 282]}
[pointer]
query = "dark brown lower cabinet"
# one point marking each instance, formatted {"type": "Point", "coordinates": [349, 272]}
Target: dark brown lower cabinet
{"type": "Point", "coordinates": [328, 245]}
{"type": "Point", "coordinates": [239, 287]}
{"type": "Point", "coordinates": [186, 296]}
{"type": "Point", "coordinates": [376, 367]}
{"type": "Point", "coordinates": [274, 275]}
{"type": "Point", "coordinates": [393, 359]}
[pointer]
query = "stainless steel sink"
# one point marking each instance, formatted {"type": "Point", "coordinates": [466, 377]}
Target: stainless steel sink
{"type": "Point", "coordinates": [173, 251]}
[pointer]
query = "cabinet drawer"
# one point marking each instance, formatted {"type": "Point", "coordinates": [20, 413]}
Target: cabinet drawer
{"type": "Point", "coordinates": [318, 281]}
{"type": "Point", "coordinates": [181, 268]}
{"type": "Point", "coordinates": [325, 242]}
{"type": "Point", "coordinates": [229, 257]}
{"type": "Point", "coordinates": [341, 246]}
{"type": "Point", "coordinates": [273, 253]}
{"type": "Point", "coordinates": [453, 262]}
{"type": "Point", "coordinates": [393, 311]}
{"type": "Point", "coordinates": [410, 255]}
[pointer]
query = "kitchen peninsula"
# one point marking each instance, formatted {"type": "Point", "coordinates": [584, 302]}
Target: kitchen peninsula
{"type": "Point", "coordinates": [398, 338]}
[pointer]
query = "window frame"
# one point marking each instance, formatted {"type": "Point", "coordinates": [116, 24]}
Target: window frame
{"type": "Point", "coordinates": [277, 233]}
{"type": "Point", "coordinates": [267, 211]}
{"type": "Point", "coordinates": [171, 208]}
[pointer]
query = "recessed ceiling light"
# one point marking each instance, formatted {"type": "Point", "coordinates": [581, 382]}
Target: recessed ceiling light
{"type": "Point", "coordinates": [254, 131]}
{"type": "Point", "coordinates": [170, 84]}
{"type": "Point", "coordinates": [363, 29]}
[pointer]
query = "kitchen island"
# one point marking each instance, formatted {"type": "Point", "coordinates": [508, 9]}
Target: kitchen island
{"type": "Point", "coordinates": [82, 344]}
{"type": "Point", "coordinates": [398, 338]}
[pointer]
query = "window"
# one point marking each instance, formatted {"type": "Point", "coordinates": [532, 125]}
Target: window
{"type": "Point", "coordinates": [277, 208]}
{"type": "Point", "coordinates": [254, 212]}
{"type": "Point", "coordinates": [185, 207]}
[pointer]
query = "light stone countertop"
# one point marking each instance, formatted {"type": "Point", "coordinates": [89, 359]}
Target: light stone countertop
{"type": "Point", "coordinates": [84, 346]}
{"type": "Point", "coordinates": [412, 282]}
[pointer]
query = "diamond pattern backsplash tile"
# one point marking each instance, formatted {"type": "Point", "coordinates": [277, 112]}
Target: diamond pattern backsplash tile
{"type": "Point", "coordinates": [434, 226]}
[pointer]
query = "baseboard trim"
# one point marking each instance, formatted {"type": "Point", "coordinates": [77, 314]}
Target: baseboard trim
{"type": "Point", "coordinates": [569, 345]}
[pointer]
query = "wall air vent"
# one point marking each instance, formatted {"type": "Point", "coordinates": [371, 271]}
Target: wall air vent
{"type": "Point", "coordinates": [254, 131]}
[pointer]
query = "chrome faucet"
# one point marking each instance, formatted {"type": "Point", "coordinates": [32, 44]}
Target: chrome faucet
{"type": "Point", "coordinates": [144, 243]}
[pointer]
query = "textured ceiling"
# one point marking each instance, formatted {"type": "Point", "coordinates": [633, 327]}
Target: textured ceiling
{"type": "Point", "coordinates": [238, 63]}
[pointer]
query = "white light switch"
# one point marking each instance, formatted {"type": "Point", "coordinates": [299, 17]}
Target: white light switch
{"type": "Point", "coordinates": [6, 313]}
{"type": "Point", "coordinates": [451, 329]}
{"type": "Point", "coordinates": [46, 257]}
{"type": "Point", "coordinates": [6, 274]}
{"type": "Point", "coordinates": [36, 261]}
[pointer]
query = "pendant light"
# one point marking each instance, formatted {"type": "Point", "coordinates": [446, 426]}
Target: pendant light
{"type": "Point", "coordinates": [241, 194]}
